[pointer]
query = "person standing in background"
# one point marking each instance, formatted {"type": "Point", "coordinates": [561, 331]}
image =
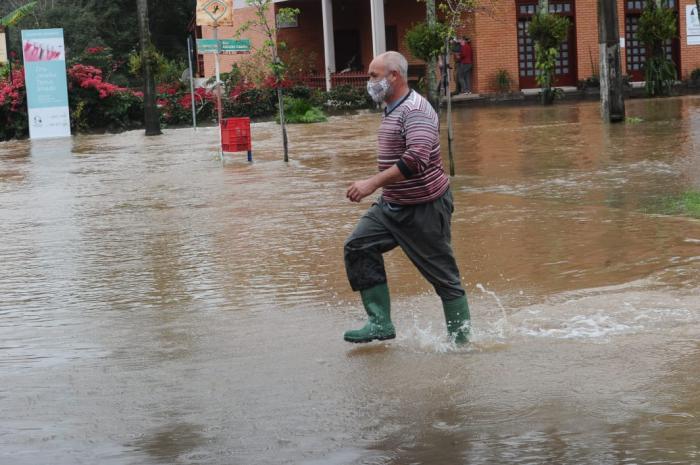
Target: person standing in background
{"type": "Point", "coordinates": [466, 64]}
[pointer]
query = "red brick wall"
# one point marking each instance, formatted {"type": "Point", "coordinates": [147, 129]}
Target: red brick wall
{"type": "Point", "coordinates": [587, 48]}
{"type": "Point", "coordinates": [690, 54]}
{"type": "Point", "coordinates": [404, 14]}
{"type": "Point", "coordinates": [308, 36]}
{"type": "Point", "coordinates": [495, 45]}
{"type": "Point", "coordinates": [240, 17]}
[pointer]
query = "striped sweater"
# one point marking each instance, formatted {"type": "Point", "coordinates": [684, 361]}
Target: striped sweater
{"type": "Point", "coordinates": [409, 137]}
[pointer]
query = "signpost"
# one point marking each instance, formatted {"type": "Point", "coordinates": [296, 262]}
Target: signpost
{"type": "Point", "coordinates": [191, 73]}
{"type": "Point", "coordinates": [46, 81]}
{"type": "Point", "coordinates": [216, 13]}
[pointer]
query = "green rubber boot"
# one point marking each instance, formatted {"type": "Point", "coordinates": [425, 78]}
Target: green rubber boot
{"type": "Point", "coordinates": [377, 305]}
{"type": "Point", "coordinates": [457, 318]}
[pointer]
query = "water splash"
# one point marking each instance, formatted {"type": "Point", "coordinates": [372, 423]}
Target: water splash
{"type": "Point", "coordinates": [498, 301]}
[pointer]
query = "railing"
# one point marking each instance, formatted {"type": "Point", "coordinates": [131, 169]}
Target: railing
{"type": "Point", "coordinates": [353, 79]}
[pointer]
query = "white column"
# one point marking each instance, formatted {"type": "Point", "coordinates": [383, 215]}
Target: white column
{"type": "Point", "coordinates": [328, 40]}
{"type": "Point", "coordinates": [378, 27]}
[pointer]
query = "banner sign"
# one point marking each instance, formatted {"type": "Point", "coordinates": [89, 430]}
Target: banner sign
{"type": "Point", "coordinates": [223, 46]}
{"type": "Point", "coordinates": [692, 24]}
{"type": "Point", "coordinates": [3, 47]}
{"type": "Point", "coordinates": [46, 82]}
{"type": "Point", "coordinates": [214, 12]}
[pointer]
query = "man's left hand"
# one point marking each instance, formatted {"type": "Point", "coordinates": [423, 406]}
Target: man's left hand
{"type": "Point", "coordinates": [360, 189]}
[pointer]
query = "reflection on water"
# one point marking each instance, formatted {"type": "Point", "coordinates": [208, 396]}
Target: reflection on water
{"type": "Point", "coordinates": [160, 308]}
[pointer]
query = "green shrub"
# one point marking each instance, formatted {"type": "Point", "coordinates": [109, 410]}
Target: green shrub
{"type": "Point", "coordinates": [547, 31]}
{"type": "Point", "coordinates": [503, 81]}
{"type": "Point", "coordinates": [253, 102]}
{"type": "Point", "coordinates": [695, 74]}
{"type": "Point", "coordinates": [660, 74]}
{"type": "Point", "coordinates": [657, 25]}
{"type": "Point", "coordinates": [297, 110]}
{"type": "Point", "coordinates": [164, 70]}
{"type": "Point", "coordinates": [348, 97]}
{"type": "Point", "coordinates": [426, 41]}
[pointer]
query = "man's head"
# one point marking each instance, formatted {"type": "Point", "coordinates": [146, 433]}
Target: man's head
{"type": "Point", "coordinates": [388, 74]}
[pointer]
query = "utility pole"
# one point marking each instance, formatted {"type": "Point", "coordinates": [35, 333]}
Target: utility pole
{"type": "Point", "coordinates": [150, 110]}
{"type": "Point", "coordinates": [612, 100]}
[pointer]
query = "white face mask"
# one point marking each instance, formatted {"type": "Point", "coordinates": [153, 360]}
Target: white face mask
{"type": "Point", "coordinates": [378, 90]}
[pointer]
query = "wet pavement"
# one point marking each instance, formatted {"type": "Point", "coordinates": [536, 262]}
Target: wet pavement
{"type": "Point", "coordinates": [158, 307]}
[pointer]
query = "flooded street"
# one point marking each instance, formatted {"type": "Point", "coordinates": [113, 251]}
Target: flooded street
{"type": "Point", "coordinates": [158, 308]}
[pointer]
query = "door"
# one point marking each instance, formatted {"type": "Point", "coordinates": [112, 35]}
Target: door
{"type": "Point", "coordinates": [565, 67]}
{"type": "Point", "coordinates": [636, 53]}
{"type": "Point", "coordinates": [348, 55]}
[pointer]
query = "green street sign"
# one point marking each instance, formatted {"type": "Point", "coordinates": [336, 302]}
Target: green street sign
{"type": "Point", "coordinates": [207, 46]}
{"type": "Point", "coordinates": [223, 46]}
{"type": "Point", "coordinates": [235, 46]}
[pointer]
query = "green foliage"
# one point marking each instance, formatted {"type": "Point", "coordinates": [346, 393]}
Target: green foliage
{"type": "Point", "coordinates": [695, 74]}
{"type": "Point", "coordinates": [684, 204]}
{"type": "Point", "coordinates": [316, 97]}
{"type": "Point", "coordinates": [660, 74]}
{"type": "Point", "coordinates": [453, 12]}
{"type": "Point", "coordinates": [255, 103]}
{"type": "Point", "coordinates": [657, 25]}
{"type": "Point", "coordinates": [633, 120]}
{"type": "Point", "coordinates": [164, 69]}
{"type": "Point", "coordinates": [16, 15]}
{"type": "Point", "coordinates": [348, 97]}
{"type": "Point", "coordinates": [89, 23]}
{"type": "Point", "coordinates": [232, 78]}
{"type": "Point", "coordinates": [503, 80]}
{"type": "Point", "coordinates": [426, 41]}
{"type": "Point", "coordinates": [298, 110]}
{"type": "Point", "coordinates": [547, 31]}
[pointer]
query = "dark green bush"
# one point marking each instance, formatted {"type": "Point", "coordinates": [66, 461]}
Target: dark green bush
{"type": "Point", "coordinates": [348, 97]}
{"type": "Point", "coordinates": [426, 41]}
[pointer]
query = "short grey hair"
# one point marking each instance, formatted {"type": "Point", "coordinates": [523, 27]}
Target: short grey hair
{"type": "Point", "coordinates": [394, 61]}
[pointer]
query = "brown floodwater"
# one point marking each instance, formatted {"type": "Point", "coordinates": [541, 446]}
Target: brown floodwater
{"type": "Point", "coordinates": [157, 306]}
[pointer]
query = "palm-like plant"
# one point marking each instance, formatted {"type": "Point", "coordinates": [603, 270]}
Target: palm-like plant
{"type": "Point", "coordinates": [16, 16]}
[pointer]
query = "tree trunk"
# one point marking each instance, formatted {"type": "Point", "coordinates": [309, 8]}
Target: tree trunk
{"type": "Point", "coordinates": [285, 143]}
{"type": "Point", "coordinates": [150, 110]}
{"type": "Point", "coordinates": [448, 96]}
{"type": "Point", "coordinates": [431, 77]}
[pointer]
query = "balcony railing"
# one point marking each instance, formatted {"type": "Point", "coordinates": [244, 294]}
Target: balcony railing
{"type": "Point", "coordinates": [354, 79]}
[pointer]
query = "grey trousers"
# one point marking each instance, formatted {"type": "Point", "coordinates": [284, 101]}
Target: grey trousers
{"type": "Point", "coordinates": [422, 231]}
{"type": "Point", "coordinates": [465, 77]}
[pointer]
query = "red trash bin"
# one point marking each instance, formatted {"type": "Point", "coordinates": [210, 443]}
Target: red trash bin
{"type": "Point", "coordinates": [235, 136]}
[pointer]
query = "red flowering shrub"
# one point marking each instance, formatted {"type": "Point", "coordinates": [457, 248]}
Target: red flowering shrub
{"type": "Point", "coordinates": [175, 102]}
{"type": "Point", "coordinates": [13, 107]}
{"type": "Point", "coordinates": [99, 104]}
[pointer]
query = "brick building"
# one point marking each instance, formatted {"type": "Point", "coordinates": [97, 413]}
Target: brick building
{"type": "Point", "coordinates": [342, 36]}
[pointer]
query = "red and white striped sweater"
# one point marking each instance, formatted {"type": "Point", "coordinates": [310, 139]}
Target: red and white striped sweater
{"type": "Point", "coordinates": [409, 137]}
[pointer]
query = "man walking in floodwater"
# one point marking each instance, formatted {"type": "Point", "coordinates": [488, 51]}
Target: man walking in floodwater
{"type": "Point", "coordinates": [413, 212]}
